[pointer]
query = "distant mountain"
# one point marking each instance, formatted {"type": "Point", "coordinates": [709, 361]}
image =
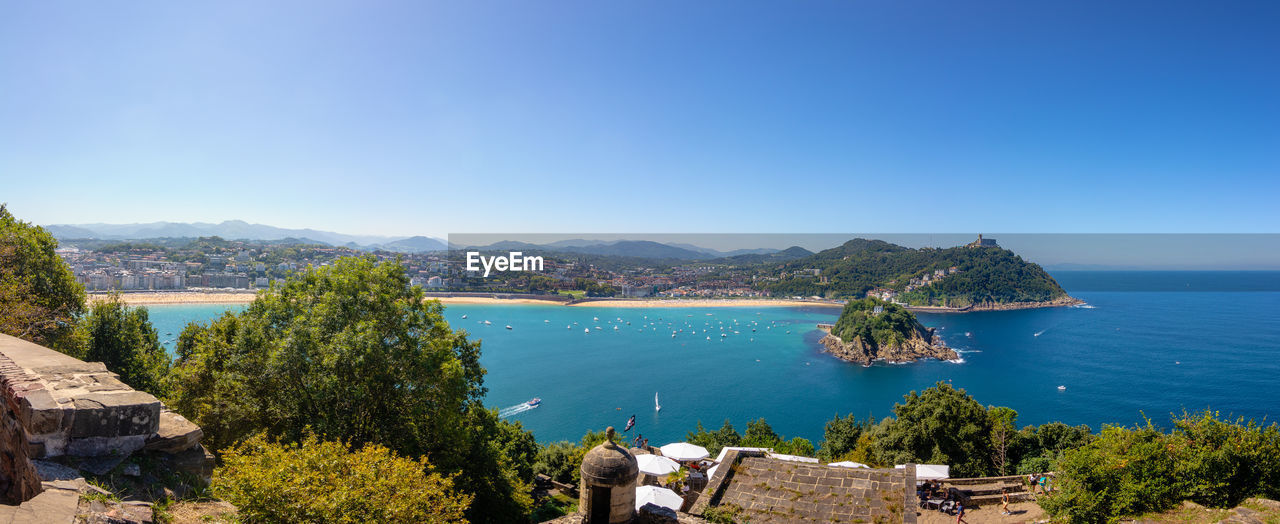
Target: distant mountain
{"type": "Point", "coordinates": [239, 230]}
{"type": "Point", "coordinates": [637, 249]}
{"type": "Point", "coordinates": [731, 253]}
{"type": "Point", "coordinates": [771, 257]}
{"type": "Point", "coordinates": [417, 244]}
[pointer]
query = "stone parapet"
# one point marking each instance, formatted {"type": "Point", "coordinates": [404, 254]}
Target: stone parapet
{"type": "Point", "coordinates": [56, 407]}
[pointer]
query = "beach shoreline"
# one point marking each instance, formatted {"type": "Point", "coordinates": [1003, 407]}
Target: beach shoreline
{"type": "Point", "coordinates": [159, 298]}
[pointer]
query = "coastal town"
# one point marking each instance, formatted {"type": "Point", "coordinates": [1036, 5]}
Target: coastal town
{"type": "Point", "coordinates": [215, 264]}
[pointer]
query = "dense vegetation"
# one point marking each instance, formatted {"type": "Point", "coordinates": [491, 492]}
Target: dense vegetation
{"type": "Point", "coordinates": [892, 326]}
{"type": "Point", "coordinates": [122, 338]}
{"type": "Point", "coordinates": [325, 481]}
{"type": "Point", "coordinates": [354, 353]}
{"type": "Point", "coordinates": [985, 275]}
{"type": "Point", "coordinates": [39, 297]}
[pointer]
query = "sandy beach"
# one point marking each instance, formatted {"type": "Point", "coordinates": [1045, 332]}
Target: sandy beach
{"type": "Point", "coordinates": [158, 298]}
{"type": "Point", "coordinates": [703, 302]}
{"type": "Point", "coordinates": [244, 297]}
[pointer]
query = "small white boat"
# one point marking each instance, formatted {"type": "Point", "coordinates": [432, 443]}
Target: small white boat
{"type": "Point", "coordinates": [464, 317]}
{"type": "Point", "coordinates": [586, 330]}
{"type": "Point", "coordinates": [656, 405]}
{"type": "Point", "coordinates": [615, 328]}
{"type": "Point", "coordinates": [1062, 388]}
{"type": "Point", "coordinates": [508, 326]}
{"type": "Point", "coordinates": [597, 319]}
{"type": "Point", "coordinates": [487, 323]}
{"type": "Point", "coordinates": [546, 321]}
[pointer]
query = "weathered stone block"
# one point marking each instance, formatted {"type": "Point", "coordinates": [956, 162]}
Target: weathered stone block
{"type": "Point", "coordinates": [115, 414]}
{"type": "Point", "coordinates": [99, 446]}
{"type": "Point", "coordinates": [40, 414]}
{"type": "Point", "coordinates": [174, 434]}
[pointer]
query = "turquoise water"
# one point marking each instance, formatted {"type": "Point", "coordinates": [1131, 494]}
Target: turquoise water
{"type": "Point", "coordinates": [1139, 348]}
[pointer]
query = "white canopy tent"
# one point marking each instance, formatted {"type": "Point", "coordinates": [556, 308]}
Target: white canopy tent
{"type": "Point", "coordinates": [930, 471]}
{"type": "Point", "coordinates": [659, 496]}
{"type": "Point", "coordinates": [656, 465]}
{"type": "Point", "coordinates": [684, 451]}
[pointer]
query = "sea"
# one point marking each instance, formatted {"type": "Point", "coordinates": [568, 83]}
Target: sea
{"type": "Point", "coordinates": [1146, 345]}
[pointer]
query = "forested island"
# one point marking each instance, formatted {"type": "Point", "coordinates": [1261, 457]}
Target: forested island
{"type": "Point", "coordinates": [871, 329]}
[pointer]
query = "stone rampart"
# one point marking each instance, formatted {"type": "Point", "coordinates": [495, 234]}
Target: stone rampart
{"type": "Point", "coordinates": [78, 414]}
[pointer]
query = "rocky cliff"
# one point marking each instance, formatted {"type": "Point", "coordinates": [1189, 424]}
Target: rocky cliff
{"type": "Point", "coordinates": [913, 349]}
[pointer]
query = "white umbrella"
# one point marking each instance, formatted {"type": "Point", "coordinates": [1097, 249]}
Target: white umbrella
{"type": "Point", "coordinates": [656, 465]}
{"type": "Point", "coordinates": [849, 464]}
{"type": "Point", "coordinates": [659, 496]}
{"type": "Point", "coordinates": [684, 451]}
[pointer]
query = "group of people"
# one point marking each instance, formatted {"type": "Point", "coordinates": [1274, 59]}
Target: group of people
{"type": "Point", "coordinates": [948, 500]}
{"type": "Point", "coordinates": [1040, 482]}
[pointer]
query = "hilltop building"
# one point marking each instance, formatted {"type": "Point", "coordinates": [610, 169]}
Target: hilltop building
{"type": "Point", "coordinates": [983, 242]}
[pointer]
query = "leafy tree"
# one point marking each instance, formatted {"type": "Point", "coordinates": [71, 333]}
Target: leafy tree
{"type": "Point", "coordinates": [323, 481]}
{"type": "Point", "coordinates": [760, 434]}
{"type": "Point", "coordinates": [122, 338]}
{"type": "Point", "coordinates": [1035, 449]}
{"type": "Point", "coordinates": [840, 437]}
{"type": "Point", "coordinates": [562, 461]}
{"type": "Point", "coordinates": [716, 440]}
{"type": "Point", "coordinates": [940, 425]}
{"type": "Point", "coordinates": [39, 297]}
{"type": "Point", "coordinates": [353, 352]}
{"type": "Point", "coordinates": [1002, 433]}
{"type": "Point", "coordinates": [1132, 471]}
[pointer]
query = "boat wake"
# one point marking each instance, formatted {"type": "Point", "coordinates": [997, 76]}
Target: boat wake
{"type": "Point", "coordinates": [515, 410]}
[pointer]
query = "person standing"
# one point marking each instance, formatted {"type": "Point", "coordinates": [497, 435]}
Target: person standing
{"type": "Point", "coordinates": [960, 513]}
{"type": "Point", "coordinates": [1004, 501]}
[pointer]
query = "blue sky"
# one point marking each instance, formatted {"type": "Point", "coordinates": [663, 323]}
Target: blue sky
{"type": "Point", "coordinates": [825, 116]}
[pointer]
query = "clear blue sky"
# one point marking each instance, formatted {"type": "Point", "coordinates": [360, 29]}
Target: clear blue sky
{"type": "Point", "coordinates": [645, 116]}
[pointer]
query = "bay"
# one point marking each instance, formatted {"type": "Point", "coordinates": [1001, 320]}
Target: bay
{"type": "Point", "coordinates": [1148, 344]}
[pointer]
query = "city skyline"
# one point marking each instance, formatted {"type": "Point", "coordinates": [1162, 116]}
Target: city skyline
{"type": "Point", "coordinates": [433, 118]}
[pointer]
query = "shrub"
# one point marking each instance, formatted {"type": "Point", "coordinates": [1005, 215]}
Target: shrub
{"type": "Point", "coordinates": [323, 481]}
{"type": "Point", "coordinates": [1126, 472]}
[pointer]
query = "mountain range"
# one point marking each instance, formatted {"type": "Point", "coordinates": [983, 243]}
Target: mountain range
{"type": "Point", "coordinates": [241, 230]}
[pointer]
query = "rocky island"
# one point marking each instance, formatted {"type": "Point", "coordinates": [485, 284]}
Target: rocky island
{"type": "Point", "coordinates": [872, 329]}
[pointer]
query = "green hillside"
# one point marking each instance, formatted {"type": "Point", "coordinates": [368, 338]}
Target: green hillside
{"type": "Point", "coordinates": [982, 275]}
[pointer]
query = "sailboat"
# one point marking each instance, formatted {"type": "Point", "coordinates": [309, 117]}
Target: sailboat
{"type": "Point", "coordinates": [656, 405]}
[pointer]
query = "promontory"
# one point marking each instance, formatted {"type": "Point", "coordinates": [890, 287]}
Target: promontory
{"type": "Point", "coordinates": [871, 329]}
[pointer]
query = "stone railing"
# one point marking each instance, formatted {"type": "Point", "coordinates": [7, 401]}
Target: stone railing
{"type": "Point", "coordinates": [67, 416]}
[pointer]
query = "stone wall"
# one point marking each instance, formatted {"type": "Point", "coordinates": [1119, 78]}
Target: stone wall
{"type": "Point", "coordinates": [78, 414]}
{"type": "Point", "coordinates": [772, 490]}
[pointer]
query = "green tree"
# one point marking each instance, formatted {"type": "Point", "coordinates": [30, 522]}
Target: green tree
{"type": "Point", "coordinates": [353, 352]}
{"type": "Point", "coordinates": [39, 297]}
{"type": "Point", "coordinates": [1003, 422]}
{"type": "Point", "coordinates": [122, 338]}
{"type": "Point", "coordinates": [840, 436]}
{"type": "Point", "coordinates": [940, 425]}
{"type": "Point", "coordinates": [323, 481]}
{"type": "Point", "coordinates": [716, 440]}
{"type": "Point", "coordinates": [562, 461]}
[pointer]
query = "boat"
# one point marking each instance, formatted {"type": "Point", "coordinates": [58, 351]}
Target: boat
{"type": "Point", "coordinates": [487, 323]}
{"type": "Point", "coordinates": [597, 319]}
{"type": "Point", "coordinates": [1061, 388]}
{"type": "Point", "coordinates": [508, 326]}
{"type": "Point", "coordinates": [464, 317]}
{"type": "Point", "coordinates": [586, 330]}
{"type": "Point", "coordinates": [656, 405]}
{"type": "Point", "coordinates": [534, 403]}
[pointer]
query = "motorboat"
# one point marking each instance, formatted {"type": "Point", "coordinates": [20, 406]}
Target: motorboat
{"type": "Point", "coordinates": [534, 403]}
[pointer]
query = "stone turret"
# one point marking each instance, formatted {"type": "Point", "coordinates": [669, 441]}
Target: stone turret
{"type": "Point", "coordinates": [608, 493]}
